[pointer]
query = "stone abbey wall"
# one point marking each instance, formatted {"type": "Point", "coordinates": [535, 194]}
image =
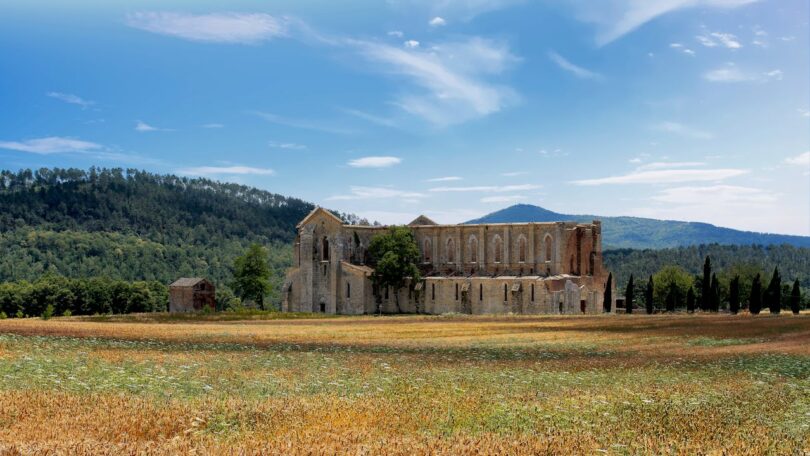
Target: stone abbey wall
{"type": "Point", "coordinates": [489, 268]}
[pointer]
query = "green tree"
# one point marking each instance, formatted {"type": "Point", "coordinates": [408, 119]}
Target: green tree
{"type": "Point", "coordinates": [673, 299]}
{"type": "Point", "coordinates": [795, 298]}
{"type": "Point", "coordinates": [394, 255]}
{"type": "Point", "coordinates": [666, 278]}
{"type": "Point", "coordinates": [773, 294]}
{"type": "Point", "coordinates": [706, 285]}
{"type": "Point", "coordinates": [690, 300]}
{"type": "Point", "coordinates": [714, 296]}
{"type": "Point", "coordinates": [608, 302]}
{"type": "Point", "coordinates": [252, 275]}
{"type": "Point", "coordinates": [629, 295]}
{"type": "Point", "coordinates": [648, 296]}
{"type": "Point", "coordinates": [734, 295]}
{"type": "Point", "coordinates": [755, 298]}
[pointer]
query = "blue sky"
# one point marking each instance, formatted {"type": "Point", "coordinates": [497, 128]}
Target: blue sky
{"type": "Point", "coordinates": [679, 109]}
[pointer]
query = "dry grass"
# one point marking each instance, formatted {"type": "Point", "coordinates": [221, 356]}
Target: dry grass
{"type": "Point", "coordinates": [407, 385]}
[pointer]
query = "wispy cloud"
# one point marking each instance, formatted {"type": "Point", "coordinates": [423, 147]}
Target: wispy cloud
{"type": "Point", "coordinates": [445, 179]}
{"type": "Point", "coordinates": [670, 165]}
{"type": "Point", "coordinates": [145, 127]}
{"type": "Point", "coordinates": [799, 160]}
{"type": "Point", "coordinates": [361, 193]}
{"type": "Point", "coordinates": [665, 176]}
{"type": "Point", "coordinates": [682, 130]}
{"type": "Point", "coordinates": [396, 33]}
{"type": "Point", "coordinates": [731, 73]}
{"type": "Point", "coordinates": [379, 120]}
{"type": "Point", "coordinates": [487, 188]}
{"type": "Point", "coordinates": [576, 70]}
{"type": "Point", "coordinates": [716, 194]}
{"type": "Point", "coordinates": [302, 124]}
{"type": "Point", "coordinates": [71, 99]}
{"type": "Point", "coordinates": [375, 162]}
{"type": "Point", "coordinates": [286, 145]}
{"type": "Point", "coordinates": [503, 198]}
{"type": "Point", "coordinates": [437, 22]}
{"type": "Point", "coordinates": [452, 74]}
{"type": "Point", "coordinates": [51, 145]}
{"type": "Point", "coordinates": [617, 18]}
{"type": "Point", "coordinates": [514, 173]}
{"type": "Point", "coordinates": [803, 112]}
{"type": "Point", "coordinates": [714, 39]}
{"type": "Point", "coordinates": [213, 125]}
{"type": "Point", "coordinates": [226, 170]}
{"type": "Point", "coordinates": [232, 28]}
{"type": "Point", "coordinates": [682, 48]}
{"type": "Point", "coordinates": [412, 44]}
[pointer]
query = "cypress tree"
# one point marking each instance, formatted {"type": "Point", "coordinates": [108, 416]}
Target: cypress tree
{"type": "Point", "coordinates": [706, 285]}
{"type": "Point", "coordinates": [672, 297]}
{"type": "Point", "coordinates": [629, 295]}
{"type": "Point", "coordinates": [608, 293]}
{"type": "Point", "coordinates": [690, 300]}
{"type": "Point", "coordinates": [734, 295]}
{"type": "Point", "coordinates": [648, 296]}
{"type": "Point", "coordinates": [714, 295]}
{"type": "Point", "coordinates": [774, 292]}
{"type": "Point", "coordinates": [795, 298]}
{"type": "Point", "coordinates": [755, 300]}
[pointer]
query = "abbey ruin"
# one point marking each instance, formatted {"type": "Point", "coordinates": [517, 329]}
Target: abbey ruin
{"type": "Point", "coordinates": [529, 268]}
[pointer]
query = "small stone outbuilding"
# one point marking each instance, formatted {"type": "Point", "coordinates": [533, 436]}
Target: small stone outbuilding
{"type": "Point", "coordinates": [191, 295]}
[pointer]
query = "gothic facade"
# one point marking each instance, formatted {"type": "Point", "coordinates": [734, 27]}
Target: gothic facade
{"type": "Point", "coordinates": [531, 268]}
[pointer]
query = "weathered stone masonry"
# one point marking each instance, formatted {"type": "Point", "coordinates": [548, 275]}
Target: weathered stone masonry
{"type": "Point", "coordinates": [531, 268]}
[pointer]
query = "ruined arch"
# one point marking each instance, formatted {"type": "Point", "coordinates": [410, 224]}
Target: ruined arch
{"type": "Point", "coordinates": [521, 248]}
{"type": "Point", "coordinates": [472, 245]}
{"type": "Point", "coordinates": [498, 246]}
{"type": "Point", "coordinates": [451, 251]}
{"type": "Point", "coordinates": [325, 249]}
{"type": "Point", "coordinates": [548, 244]}
{"type": "Point", "coordinates": [427, 248]}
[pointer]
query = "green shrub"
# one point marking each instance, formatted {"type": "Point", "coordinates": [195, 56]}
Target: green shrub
{"type": "Point", "coordinates": [67, 313]}
{"type": "Point", "coordinates": [3, 315]}
{"type": "Point", "coordinates": [48, 312]}
{"type": "Point", "coordinates": [19, 314]}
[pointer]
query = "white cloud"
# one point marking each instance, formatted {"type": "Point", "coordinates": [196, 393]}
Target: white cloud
{"type": "Point", "coordinates": [452, 76]}
{"type": "Point", "coordinates": [437, 22]}
{"type": "Point", "coordinates": [502, 198]}
{"type": "Point", "coordinates": [616, 18]}
{"type": "Point", "coordinates": [515, 173]}
{"type": "Point", "coordinates": [213, 125]}
{"type": "Point", "coordinates": [727, 39]}
{"type": "Point", "coordinates": [682, 130]}
{"type": "Point", "coordinates": [799, 160]}
{"type": "Point", "coordinates": [70, 98]}
{"type": "Point", "coordinates": [444, 179]}
{"type": "Point", "coordinates": [670, 165]}
{"type": "Point", "coordinates": [51, 145]}
{"type": "Point", "coordinates": [303, 124]}
{"type": "Point", "coordinates": [374, 162]}
{"type": "Point", "coordinates": [576, 70]}
{"type": "Point", "coordinates": [384, 121]}
{"type": "Point", "coordinates": [229, 28]}
{"type": "Point", "coordinates": [412, 44]}
{"type": "Point", "coordinates": [487, 188]}
{"type": "Point", "coordinates": [396, 33]}
{"type": "Point", "coordinates": [730, 73]}
{"type": "Point", "coordinates": [288, 146]}
{"type": "Point", "coordinates": [719, 195]}
{"type": "Point", "coordinates": [362, 193]}
{"type": "Point", "coordinates": [706, 41]}
{"type": "Point", "coordinates": [774, 74]}
{"type": "Point", "coordinates": [144, 127]}
{"type": "Point", "coordinates": [803, 112]}
{"type": "Point", "coordinates": [665, 176]}
{"type": "Point", "coordinates": [689, 52]}
{"type": "Point", "coordinates": [225, 170]}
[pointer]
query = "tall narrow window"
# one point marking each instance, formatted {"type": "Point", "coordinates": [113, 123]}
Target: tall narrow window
{"type": "Point", "coordinates": [426, 250]}
{"type": "Point", "coordinates": [325, 249]}
{"type": "Point", "coordinates": [456, 292]}
{"type": "Point", "coordinates": [505, 293]}
{"type": "Point", "coordinates": [433, 291]}
{"type": "Point", "coordinates": [532, 292]}
{"type": "Point", "coordinates": [522, 249]}
{"type": "Point", "coordinates": [348, 290]}
{"type": "Point", "coordinates": [451, 251]}
{"type": "Point", "coordinates": [571, 269]}
{"type": "Point", "coordinates": [548, 241]}
{"type": "Point", "coordinates": [473, 249]}
{"type": "Point", "coordinates": [498, 249]}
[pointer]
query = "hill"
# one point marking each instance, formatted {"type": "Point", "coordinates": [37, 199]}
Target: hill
{"type": "Point", "coordinates": [644, 233]}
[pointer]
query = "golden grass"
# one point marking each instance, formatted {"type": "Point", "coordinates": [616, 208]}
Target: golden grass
{"type": "Point", "coordinates": [698, 384]}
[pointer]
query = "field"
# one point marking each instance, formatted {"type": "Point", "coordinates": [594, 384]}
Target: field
{"type": "Point", "coordinates": [681, 384]}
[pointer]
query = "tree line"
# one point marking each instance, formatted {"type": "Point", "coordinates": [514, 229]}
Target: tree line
{"type": "Point", "coordinates": [740, 287]}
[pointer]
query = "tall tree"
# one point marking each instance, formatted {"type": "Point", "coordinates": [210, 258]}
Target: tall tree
{"type": "Point", "coordinates": [714, 296]}
{"type": "Point", "coordinates": [690, 300]}
{"type": "Point", "coordinates": [795, 298]}
{"type": "Point", "coordinates": [251, 275]}
{"type": "Point", "coordinates": [706, 285]}
{"type": "Point", "coordinates": [773, 294]}
{"type": "Point", "coordinates": [629, 295]}
{"type": "Point", "coordinates": [673, 297]}
{"type": "Point", "coordinates": [734, 295]}
{"type": "Point", "coordinates": [608, 303]}
{"type": "Point", "coordinates": [648, 296]}
{"type": "Point", "coordinates": [394, 254]}
{"type": "Point", "coordinates": [755, 300]}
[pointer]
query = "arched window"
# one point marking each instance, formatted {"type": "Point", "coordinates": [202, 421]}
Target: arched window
{"type": "Point", "coordinates": [548, 241]}
{"type": "Point", "coordinates": [592, 263]}
{"type": "Point", "coordinates": [498, 249]}
{"type": "Point", "coordinates": [427, 248]}
{"type": "Point", "coordinates": [348, 290]}
{"type": "Point", "coordinates": [325, 249]}
{"type": "Point", "coordinates": [522, 249]}
{"type": "Point", "coordinates": [451, 251]}
{"type": "Point", "coordinates": [473, 245]}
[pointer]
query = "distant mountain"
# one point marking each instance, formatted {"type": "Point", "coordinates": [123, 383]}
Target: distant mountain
{"type": "Point", "coordinates": [644, 233]}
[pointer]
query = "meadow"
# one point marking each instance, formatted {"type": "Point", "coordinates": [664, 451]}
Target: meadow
{"type": "Point", "coordinates": [661, 384]}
